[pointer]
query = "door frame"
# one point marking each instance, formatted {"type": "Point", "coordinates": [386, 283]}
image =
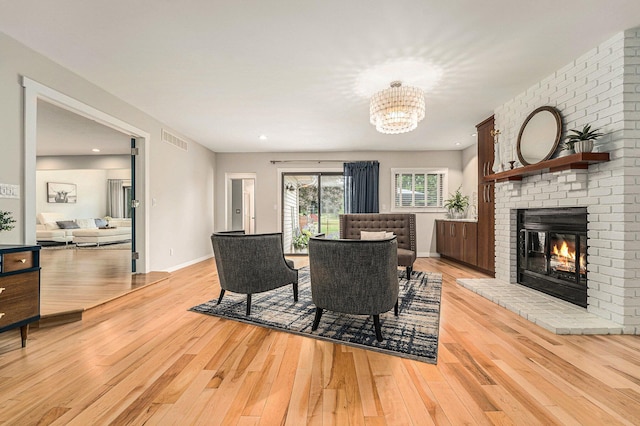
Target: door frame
{"type": "Point", "coordinates": [34, 91]}
{"type": "Point", "coordinates": [228, 177]}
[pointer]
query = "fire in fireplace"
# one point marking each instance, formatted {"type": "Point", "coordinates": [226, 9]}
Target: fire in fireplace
{"type": "Point", "coordinates": [552, 252]}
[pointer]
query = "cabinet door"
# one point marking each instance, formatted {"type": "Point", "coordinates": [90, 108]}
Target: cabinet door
{"type": "Point", "coordinates": [470, 243]}
{"type": "Point", "coordinates": [456, 240]}
{"type": "Point", "coordinates": [440, 236]}
{"type": "Point", "coordinates": [486, 227]}
{"type": "Point", "coordinates": [485, 148]}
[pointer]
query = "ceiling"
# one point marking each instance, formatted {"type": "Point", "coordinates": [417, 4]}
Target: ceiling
{"type": "Point", "coordinates": [61, 132]}
{"type": "Point", "coordinates": [222, 73]}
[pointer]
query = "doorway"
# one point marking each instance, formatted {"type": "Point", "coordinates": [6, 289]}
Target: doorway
{"type": "Point", "coordinates": [33, 92]}
{"type": "Point", "coordinates": [240, 209]}
{"type": "Point", "coordinates": [311, 204]}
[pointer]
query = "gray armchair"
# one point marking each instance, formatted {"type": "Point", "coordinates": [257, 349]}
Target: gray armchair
{"type": "Point", "coordinates": [252, 263]}
{"type": "Point", "coordinates": [354, 277]}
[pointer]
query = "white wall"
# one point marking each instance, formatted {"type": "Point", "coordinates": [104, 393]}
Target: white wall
{"type": "Point", "coordinates": [91, 189]}
{"type": "Point", "coordinates": [180, 182]}
{"type": "Point", "coordinates": [470, 176]}
{"type": "Point", "coordinates": [268, 197]}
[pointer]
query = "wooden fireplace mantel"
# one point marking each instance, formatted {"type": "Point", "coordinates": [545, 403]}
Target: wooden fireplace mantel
{"type": "Point", "coordinates": [568, 162]}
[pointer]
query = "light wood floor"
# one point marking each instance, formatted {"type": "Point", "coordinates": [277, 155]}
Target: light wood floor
{"type": "Point", "coordinates": [77, 279]}
{"type": "Point", "coordinates": [145, 359]}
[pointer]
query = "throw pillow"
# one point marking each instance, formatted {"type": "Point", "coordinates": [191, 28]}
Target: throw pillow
{"type": "Point", "coordinates": [86, 223]}
{"type": "Point", "coordinates": [100, 223]}
{"type": "Point", "coordinates": [372, 235]}
{"type": "Point", "coordinates": [51, 225]}
{"type": "Point", "coordinates": [67, 224]}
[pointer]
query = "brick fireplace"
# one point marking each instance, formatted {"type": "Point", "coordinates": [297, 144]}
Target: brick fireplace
{"type": "Point", "coordinates": [601, 88]}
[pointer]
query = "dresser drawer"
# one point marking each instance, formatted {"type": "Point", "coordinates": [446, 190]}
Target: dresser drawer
{"type": "Point", "coordinates": [20, 297]}
{"type": "Point", "coordinates": [17, 261]}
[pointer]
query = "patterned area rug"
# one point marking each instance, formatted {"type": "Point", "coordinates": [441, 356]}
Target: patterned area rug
{"type": "Point", "coordinates": [413, 334]}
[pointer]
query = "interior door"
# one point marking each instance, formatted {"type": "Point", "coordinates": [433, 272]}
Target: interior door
{"type": "Point", "coordinates": [240, 202]}
{"type": "Point", "coordinates": [248, 205]}
{"type": "Point", "coordinates": [133, 205]}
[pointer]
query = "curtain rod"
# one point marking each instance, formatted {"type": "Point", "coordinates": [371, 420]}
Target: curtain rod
{"type": "Point", "coordinates": [313, 161]}
{"type": "Point", "coordinates": [307, 161]}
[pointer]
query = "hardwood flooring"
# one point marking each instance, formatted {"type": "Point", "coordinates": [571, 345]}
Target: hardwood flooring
{"type": "Point", "coordinates": [74, 280]}
{"type": "Point", "coordinates": [145, 359]}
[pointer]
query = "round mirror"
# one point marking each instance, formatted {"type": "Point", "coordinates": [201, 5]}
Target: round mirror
{"type": "Point", "coordinates": [539, 135]}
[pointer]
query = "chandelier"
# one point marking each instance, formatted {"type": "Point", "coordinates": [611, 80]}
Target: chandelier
{"type": "Point", "coordinates": [397, 109]}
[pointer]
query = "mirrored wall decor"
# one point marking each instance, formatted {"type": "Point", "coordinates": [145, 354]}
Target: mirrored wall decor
{"type": "Point", "coordinates": [539, 135]}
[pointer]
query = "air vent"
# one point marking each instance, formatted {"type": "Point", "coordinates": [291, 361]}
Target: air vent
{"type": "Point", "coordinates": [175, 140]}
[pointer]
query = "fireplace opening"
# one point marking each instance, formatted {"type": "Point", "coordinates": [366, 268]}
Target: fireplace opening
{"type": "Point", "coordinates": [552, 252]}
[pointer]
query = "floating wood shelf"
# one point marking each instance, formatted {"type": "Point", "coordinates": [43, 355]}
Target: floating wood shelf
{"type": "Point", "coordinates": [568, 162]}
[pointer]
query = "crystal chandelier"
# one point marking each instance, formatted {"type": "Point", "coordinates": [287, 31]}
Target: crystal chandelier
{"type": "Point", "coordinates": [397, 109]}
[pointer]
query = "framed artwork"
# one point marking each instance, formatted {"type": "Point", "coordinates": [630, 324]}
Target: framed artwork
{"type": "Point", "coordinates": [61, 192]}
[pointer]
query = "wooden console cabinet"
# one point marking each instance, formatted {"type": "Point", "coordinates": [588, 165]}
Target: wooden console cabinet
{"type": "Point", "coordinates": [457, 240]}
{"type": "Point", "coordinates": [19, 288]}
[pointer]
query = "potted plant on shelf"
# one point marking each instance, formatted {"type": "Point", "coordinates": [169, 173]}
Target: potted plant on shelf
{"type": "Point", "coordinates": [582, 140]}
{"type": "Point", "coordinates": [457, 204]}
{"type": "Point", "coordinates": [6, 221]}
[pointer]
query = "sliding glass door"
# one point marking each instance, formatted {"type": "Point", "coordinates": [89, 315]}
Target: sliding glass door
{"type": "Point", "coordinates": [311, 204]}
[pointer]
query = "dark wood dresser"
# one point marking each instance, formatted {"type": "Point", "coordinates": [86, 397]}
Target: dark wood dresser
{"type": "Point", "coordinates": [19, 288]}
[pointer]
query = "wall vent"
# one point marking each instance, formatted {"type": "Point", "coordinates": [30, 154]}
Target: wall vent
{"type": "Point", "coordinates": [175, 140]}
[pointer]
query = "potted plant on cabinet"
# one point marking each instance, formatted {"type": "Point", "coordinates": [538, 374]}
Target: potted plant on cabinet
{"type": "Point", "coordinates": [6, 221]}
{"type": "Point", "coordinates": [582, 140]}
{"type": "Point", "coordinates": [457, 204]}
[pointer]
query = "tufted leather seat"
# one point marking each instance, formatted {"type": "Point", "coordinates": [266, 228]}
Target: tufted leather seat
{"type": "Point", "coordinates": [403, 225]}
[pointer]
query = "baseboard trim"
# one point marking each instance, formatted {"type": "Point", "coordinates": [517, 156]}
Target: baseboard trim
{"type": "Point", "coordinates": [189, 263]}
{"type": "Point", "coordinates": [427, 254]}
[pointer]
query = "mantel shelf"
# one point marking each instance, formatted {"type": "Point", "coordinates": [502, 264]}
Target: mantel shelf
{"type": "Point", "coordinates": [568, 162]}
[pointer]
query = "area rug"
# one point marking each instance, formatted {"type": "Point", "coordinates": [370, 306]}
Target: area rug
{"type": "Point", "coordinates": [413, 334]}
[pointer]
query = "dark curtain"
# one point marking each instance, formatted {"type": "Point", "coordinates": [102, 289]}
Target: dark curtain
{"type": "Point", "coordinates": [361, 187]}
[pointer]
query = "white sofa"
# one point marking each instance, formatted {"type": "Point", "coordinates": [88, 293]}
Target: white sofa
{"type": "Point", "coordinates": [51, 227]}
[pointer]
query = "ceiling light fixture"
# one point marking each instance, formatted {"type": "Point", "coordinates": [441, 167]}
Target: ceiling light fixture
{"type": "Point", "coordinates": [397, 109]}
{"type": "Point", "coordinates": [95, 150]}
{"type": "Point", "coordinates": [263, 137]}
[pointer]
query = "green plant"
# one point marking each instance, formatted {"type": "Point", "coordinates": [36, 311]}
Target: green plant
{"type": "Point", "coordinates": [585, 134]}
{"type": "Point", "coordinates": [301, 240]}
{"type": "Point", "coordinates": [457, 202]}
{"type": "Point", "coordinates": [6, 221]}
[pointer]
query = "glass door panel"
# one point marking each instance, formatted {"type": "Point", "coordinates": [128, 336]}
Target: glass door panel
{"type": "Point", "coordinates": [536, 260]}
{"type": "Point", "coordinates": [331, 205]}
{"type": "Point", "coordinates": [311, 204]}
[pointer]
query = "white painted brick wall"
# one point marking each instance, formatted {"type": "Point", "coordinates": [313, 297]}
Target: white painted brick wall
{"type": "Point", "coordinates": [601, 88]}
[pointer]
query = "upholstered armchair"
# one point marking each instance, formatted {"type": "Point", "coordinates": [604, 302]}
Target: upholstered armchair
{"type": "Point", "coordinates": [358, 277]}
{"type": "Point", "coordinates": [252, 263]}
{"type": "Point", "coordinates": [403, 225]}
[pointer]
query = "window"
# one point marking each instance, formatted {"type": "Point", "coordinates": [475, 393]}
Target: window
{"type": "Point", "coordinates": [418, 188]}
